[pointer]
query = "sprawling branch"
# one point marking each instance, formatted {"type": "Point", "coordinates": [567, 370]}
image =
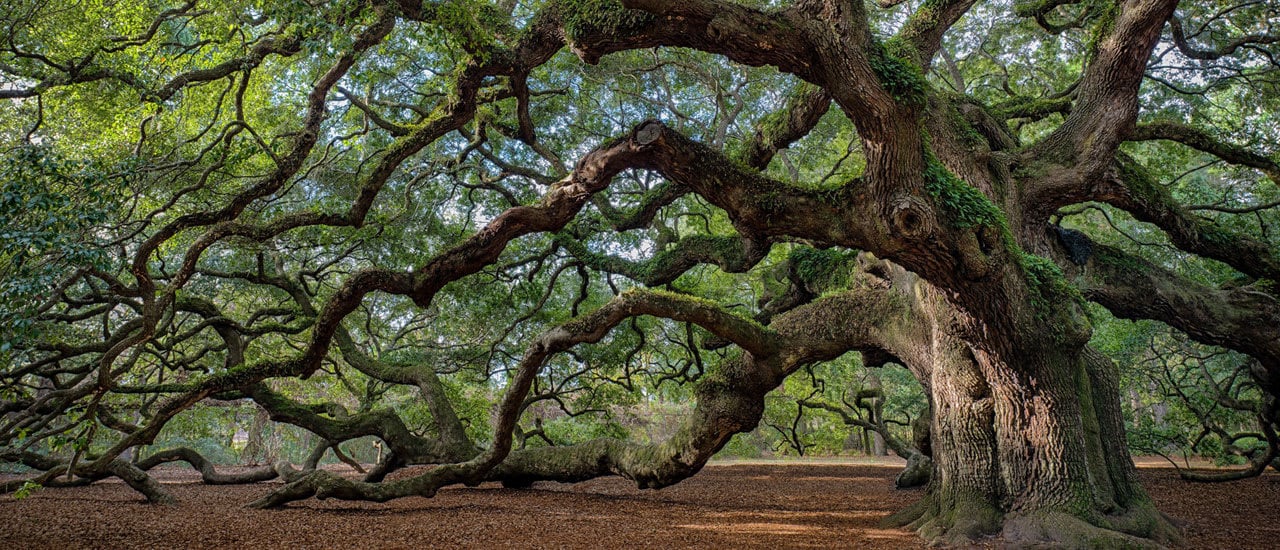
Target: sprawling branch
{"type": "Point", "coordinates": [1130, 186]}
{"type": "Point", "coordinates": [1220, 50]}
{"type": "Point", "coordinates": [1242, 318]}
{"type": "Point", "coordinates": [1134, 190]}
{"type": "Point", "coordinates": [758, 341]}
{"type": "Point", "coordinates": [729, 402]}
{"type": "Point", "coordinates": [1201, 140]}
{"type": "Point", "coordinates": [382, 423]}
{"type": "Point", "coordinates": [730, 254]}
{"type": "Point", "coordinates": [745, 35]}
{"type": "Point", "coordinates": [207, 472]}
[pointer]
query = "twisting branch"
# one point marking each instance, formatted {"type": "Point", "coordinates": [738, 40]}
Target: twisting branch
{"type": "Point", "coordinates": [1132, 188]}
{"type": "Point", "coordinates": [1201, 140]}
{"type": "Point", "coordinates": [757, 340]}
{"type": "Point", "coordinates": [1221, 50]}
{"type": "Point", "coordinates": [803, 108]}
{"type": "Point", "coordinates": [1239, 318]}
{"type": "Point", "coordinates": [207, 472]}
{"type": "Point", "coordinates": [730, 254]}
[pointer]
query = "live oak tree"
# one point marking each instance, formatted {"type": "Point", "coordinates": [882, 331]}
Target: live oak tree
{"type": "Point", "coordinates": [236, 200]}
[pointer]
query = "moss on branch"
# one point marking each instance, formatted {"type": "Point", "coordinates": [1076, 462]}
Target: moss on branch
{"type": "Point", "coordinates": [823, 270]}
{"type": "Point", "coordinates": [965, 205]}
{"type": "Point", "coordinates": [901, 76]}
{"type": "Point", "coordinates": [582, 18]}
{"type": "Point", "coordinates": [1032, 107]}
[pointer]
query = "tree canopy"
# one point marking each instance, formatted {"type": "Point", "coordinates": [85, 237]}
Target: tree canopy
{"type": "Point", "coordinates": [485, 232]}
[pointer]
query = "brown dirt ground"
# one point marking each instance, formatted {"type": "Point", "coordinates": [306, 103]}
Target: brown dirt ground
{"type": "Point", "coordinates": [735, 505]}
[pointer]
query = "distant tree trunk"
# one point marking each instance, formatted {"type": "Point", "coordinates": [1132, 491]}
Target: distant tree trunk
{"type": "Point", "coordinates": [254, 448]}
{"type": "Point", "coordinates": [877, 441]}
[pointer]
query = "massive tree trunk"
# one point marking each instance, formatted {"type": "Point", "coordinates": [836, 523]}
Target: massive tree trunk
{"type": "Point", "coordinates": [1026, 443]}
{"type": "Point", "coordinates": [1042, 461]}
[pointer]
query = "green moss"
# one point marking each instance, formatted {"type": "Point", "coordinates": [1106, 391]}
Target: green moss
{"type": "Point", "coordinates": [968, 207]}
{"type": "Point", "coordinates": [1267, 285]}
{"type": "Point", "coordinates": [1140, 183]}
{"type": "Point", "coordinates": [959, 124]}
{"type": "Point", "coordinates": [894, 65]}
{"type": "Point", "coordinates": [965, 205]}
{"type": "Point", "coordinates": [1050, 291]}
{"type": "Point", "coordinates": [1030, 107]}
{"type": "Point", "coordinates": [925, 19]}
{"type": "Point", "coordinates": [586, 17]}
{"type": "Point", "coordinates": [822, 270]}
{"type": "Point", "coordinates": [689, 303]}
{"type": "Point", "coordinates": [1105, 13]}
{"type": "Point", "coordinates": [774, 123]}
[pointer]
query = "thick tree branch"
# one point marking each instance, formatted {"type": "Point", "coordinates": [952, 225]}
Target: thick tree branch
{"type": "Point", "coordinates": [1201, 140]}
{"type": "Point", "coordinates": [1242, 318]}
{"type": "Point", "coordinates": [924, 29]}
{"type": "Point", "coordinates": [1132, 189]}
{"type": "Point", "coordinates": [802, 110]}
{"type": "Point", "coordinates": [207, 472]}
{"type": "Point", "coordinates": [1107, 104]}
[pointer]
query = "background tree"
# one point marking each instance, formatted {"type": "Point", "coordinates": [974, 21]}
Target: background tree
{"type": "Point", "coordinates": [368, 217]}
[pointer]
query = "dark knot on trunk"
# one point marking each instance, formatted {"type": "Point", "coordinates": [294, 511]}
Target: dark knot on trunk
{"type": "Point", "coordinates": [912, 217]}
{"type": "Point", "coordinates": [648, 132]}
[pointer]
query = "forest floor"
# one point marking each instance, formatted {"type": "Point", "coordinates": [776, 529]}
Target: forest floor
{"type": "Point", "coordinates": [823, 504]}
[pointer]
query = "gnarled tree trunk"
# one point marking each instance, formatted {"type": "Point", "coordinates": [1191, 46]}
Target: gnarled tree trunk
{"type": "Point", "coordinates": [1031, 449]}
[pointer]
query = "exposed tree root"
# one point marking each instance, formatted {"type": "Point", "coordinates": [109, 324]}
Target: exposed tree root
{"type": "Point", "coordinates": [1053, 529]}
{"type": "Point", "coordinates": [917, 472]}
{"type": "Point", "coordinates": [968, 520]}
{"type": "Point", "coordinates": [961, 521]}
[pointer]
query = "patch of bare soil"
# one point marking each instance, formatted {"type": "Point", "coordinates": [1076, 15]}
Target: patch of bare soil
{"type": "Point", "coordinates": [788, 505]}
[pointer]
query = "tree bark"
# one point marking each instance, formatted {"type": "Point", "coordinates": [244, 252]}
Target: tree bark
{"type": "Point", "coordinates": [1033, 451]}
